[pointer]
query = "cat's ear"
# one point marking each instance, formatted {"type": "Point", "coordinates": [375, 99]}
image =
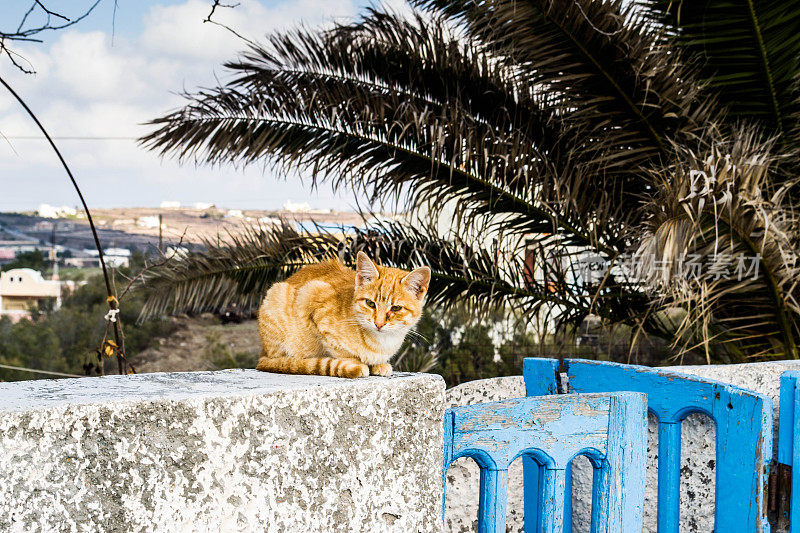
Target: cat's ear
{"type": "Point", "coordinates": [417, 281]}
{"type": "Point", "coordinates": [366, 271]}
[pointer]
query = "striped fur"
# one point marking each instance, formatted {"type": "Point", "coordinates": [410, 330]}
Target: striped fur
{"type": "Point", "coordinates": [318, 366]}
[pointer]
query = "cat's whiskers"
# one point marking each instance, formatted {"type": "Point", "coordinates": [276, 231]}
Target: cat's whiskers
{"type": "Point", "coordinates": [417, 335]}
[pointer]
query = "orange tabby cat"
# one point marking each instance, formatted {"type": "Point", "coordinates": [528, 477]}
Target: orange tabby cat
{"type": "Point", "coordinates": [332, 321]}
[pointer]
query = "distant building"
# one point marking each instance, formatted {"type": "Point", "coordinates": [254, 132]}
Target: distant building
{"type": "Point", "coordinates": [234, 213]}
{"type": "Point", "coordinates": [20, 246]}
{"type": "Point", "coordinates": [150, 221]}
{"type": "Point", "coordinates": [51, 211]}
{"type": "Point", "coordinates": [114, 257]}
{"type": "Point", "coordinates": [295, 207]}
{"type": "Point", "coordinates": [203, 206]}
{"type": "Point", "coordinates": [48, 226]}
{"type": "Point", "coordinates": [117, 257]}
{"type": "Point", "coordinates": [167, 204]}
{"type": "Point", "coordinates": [179, 252]}
{"type": "Point", "coordinates": [7, 255]}
{"type": "Point", "coordinates": [82, 261]}
{"type": "Point", "coordinates": [23, 288]}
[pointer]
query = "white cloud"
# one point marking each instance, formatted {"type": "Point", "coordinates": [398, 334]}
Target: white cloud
{"type": "Point", "coordinates": [179, 31]}
{"type": "Point", "coordinates": [85, 86]}
{"type": "Point", "coordinates": [86, 68]}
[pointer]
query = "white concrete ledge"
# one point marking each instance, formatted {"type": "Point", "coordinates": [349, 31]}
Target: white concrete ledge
{"type": "Point", "coordinates": [221, 451]}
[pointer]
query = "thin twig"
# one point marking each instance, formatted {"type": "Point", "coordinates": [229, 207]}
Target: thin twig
{"type": "Point", "coordinates": [59, 15]}
{"type": "Point", "coordinates": [214, 7]}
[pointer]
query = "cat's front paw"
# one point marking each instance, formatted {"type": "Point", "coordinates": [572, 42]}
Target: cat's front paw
{"type": "Point", "coordinates": [381, 369]}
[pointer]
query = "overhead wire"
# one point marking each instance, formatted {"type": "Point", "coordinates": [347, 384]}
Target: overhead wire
{"type": "Point", "coordinates": [23, 369]}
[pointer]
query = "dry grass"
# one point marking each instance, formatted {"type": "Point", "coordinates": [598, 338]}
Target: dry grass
{"type": "Point", "coordinates": [202, 344]}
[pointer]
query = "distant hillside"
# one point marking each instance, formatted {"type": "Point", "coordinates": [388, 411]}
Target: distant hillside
{"type": "Point", "coordinates": [137, 228]}
{"type": "Point", "coordinates": [202, 343]}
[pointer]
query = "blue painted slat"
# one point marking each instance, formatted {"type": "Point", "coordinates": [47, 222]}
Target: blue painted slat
{"type": "Point", "coordinates": [493, 499]}
{"type": "Point", "coordinates": [669, 476]}
{"type": "Point", "coordinates": [568, 497]}
{"type": "Point", "coordinates": [786, 416]}
{"type": "Point", "coordinates": [553, 508]}
{"type": "Point", "coordinates": [540, 376]}
{"type": "Point", "coordinates": [549, 432]}
{"type": "Point", "coordinates": [533, 473]}
{"type": "Point", "coordinates": [744, 433]}
{"type": "Point", "coordinates": [624, 509]}
{"type": "Point", "coordinates": [795, 495]}
{"type": "Point", "coordinates": [789, 445]}
{"type": "Point", "coordinates": [448, 454]}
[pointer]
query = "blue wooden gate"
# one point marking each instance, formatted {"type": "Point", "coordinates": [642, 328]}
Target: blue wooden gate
{"type": "Point", "coordinates": [744, 434]}
{"type": "Point", "coordinates": [611, 429]}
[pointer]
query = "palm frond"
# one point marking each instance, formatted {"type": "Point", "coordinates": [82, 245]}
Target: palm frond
{"type": "Point", "coordinates": [750, 54]}
{"type": "Point", "coordinates": [719, 248]}
{"type": "Point", "coordinates": [388, 105]}
{"type": "Point", "coordinates": [341, 143]}
{"type": "Point", "coordinates": [603, 59]}
{"type": "Point", "coordinates": [239, 269]}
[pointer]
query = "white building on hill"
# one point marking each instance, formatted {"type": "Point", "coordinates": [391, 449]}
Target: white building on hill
{"type": "Point", "coordinates": [52, 211]}
{"type": "Point", "coordinates": [23, 288]}
{"type": "Point", "coordinates": [114, 257]}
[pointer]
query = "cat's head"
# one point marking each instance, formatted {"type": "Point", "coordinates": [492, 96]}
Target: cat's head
{"type": "Point", "coordinates": [389, 300]}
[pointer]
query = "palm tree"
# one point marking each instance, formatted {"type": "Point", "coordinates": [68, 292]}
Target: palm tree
{"type": "Point", "coordinates": [555, 129]}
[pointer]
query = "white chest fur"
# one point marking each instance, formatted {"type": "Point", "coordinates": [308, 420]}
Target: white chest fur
{"type": "Point", "coordinates": [383, 346]}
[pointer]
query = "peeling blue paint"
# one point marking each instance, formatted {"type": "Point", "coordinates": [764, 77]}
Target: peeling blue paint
{"type": "Point", "coordinates": [550, 431]}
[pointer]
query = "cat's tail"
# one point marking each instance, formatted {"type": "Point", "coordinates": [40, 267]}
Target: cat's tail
{"type": "Point", "coordinates": [314, 366]}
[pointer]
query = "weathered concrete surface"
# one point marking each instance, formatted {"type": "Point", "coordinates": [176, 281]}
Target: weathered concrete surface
{"type": "Point", "coordinates": [697, 457]}
{"type": "Point", "coordinates": [221, 451]}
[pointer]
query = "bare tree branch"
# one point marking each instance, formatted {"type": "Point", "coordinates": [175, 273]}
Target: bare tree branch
{"type": "Point", "coordinates": [214, 7]}
{"type": "Point", "coordinates": [27, 33]}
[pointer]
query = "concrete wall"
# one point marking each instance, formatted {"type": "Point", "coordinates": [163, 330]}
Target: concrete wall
{"type": "Point", "coordinates": [697, 457]}
{"type": "Point", "coordinates": [221, 451]}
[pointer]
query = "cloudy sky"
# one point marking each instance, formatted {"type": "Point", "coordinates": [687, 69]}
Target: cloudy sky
{"type": "Point", "coordinates": [90, 85]}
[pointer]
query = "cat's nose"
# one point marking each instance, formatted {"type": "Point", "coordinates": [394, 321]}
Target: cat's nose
{"type": "Point", "coordinates": [379, 325]}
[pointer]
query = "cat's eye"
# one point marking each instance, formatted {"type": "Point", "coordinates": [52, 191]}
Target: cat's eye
{"type": "Point", "coordinates": [370, 304]}
{"type": "Point", "coordinates": [395, 308]}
